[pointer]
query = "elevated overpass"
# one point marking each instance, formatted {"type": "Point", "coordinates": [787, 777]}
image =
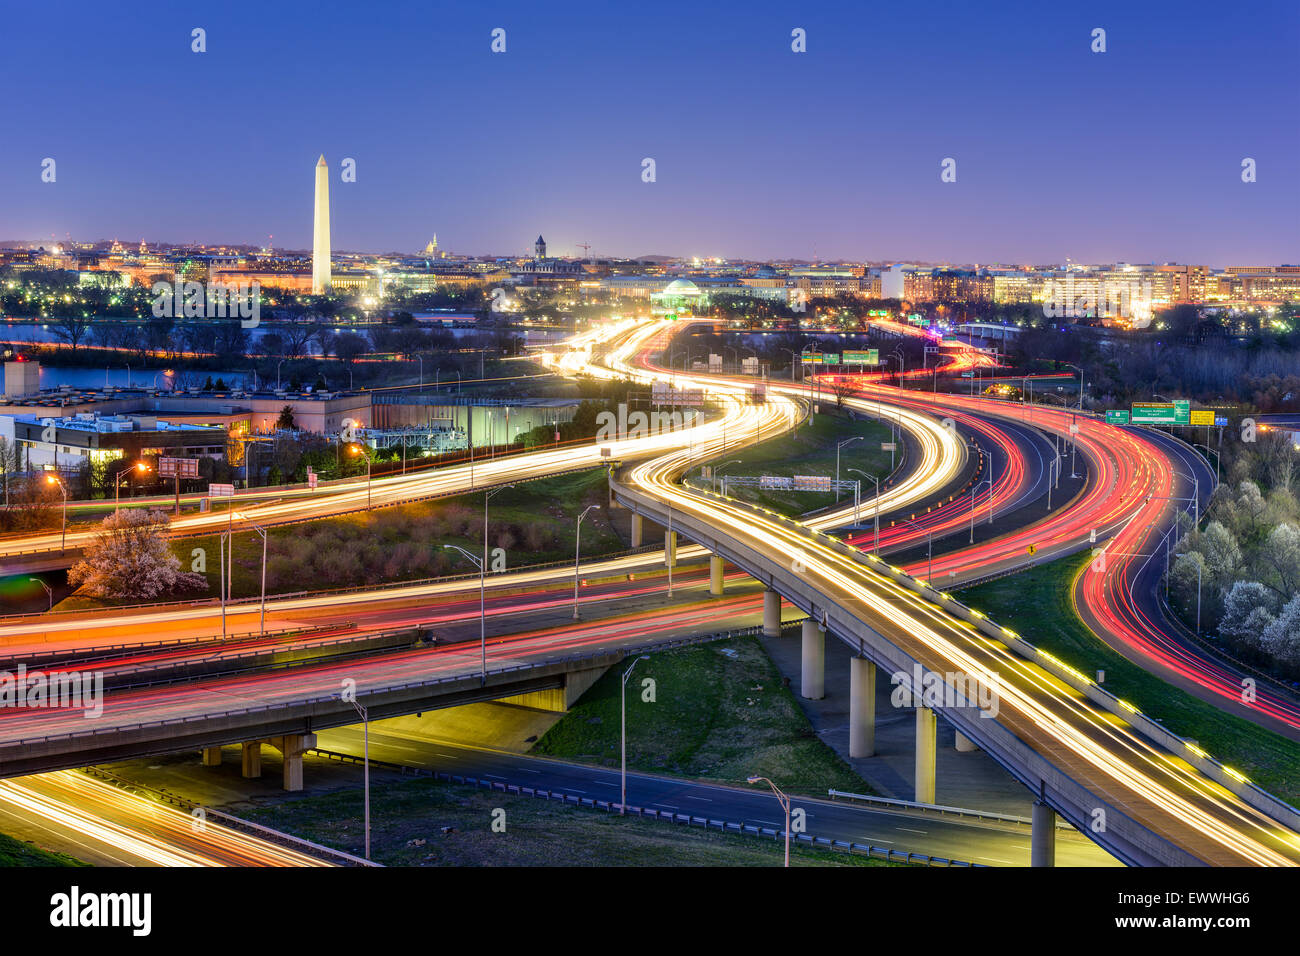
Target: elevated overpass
{"type": "Point", "coordinates": [1141, 793]}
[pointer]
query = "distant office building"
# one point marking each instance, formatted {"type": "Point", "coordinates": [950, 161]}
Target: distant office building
{"type": "Point", "coordinates": [68, 442]}
{"type": "Point", "coordinates": [22, 378]}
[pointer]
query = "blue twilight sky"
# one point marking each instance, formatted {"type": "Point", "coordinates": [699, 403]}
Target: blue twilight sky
{"type": "Point", "coordinates": [1131, 155]}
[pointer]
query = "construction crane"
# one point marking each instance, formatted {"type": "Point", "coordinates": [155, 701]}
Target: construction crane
{"type": "Point", "coordinates": [586, 249]}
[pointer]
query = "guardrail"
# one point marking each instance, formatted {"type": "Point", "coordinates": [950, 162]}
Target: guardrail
{"type": "Point", "coordinates": [685, 819]}
{"type": "Point", "coordinates": [329, 854]}
{"type": "Point", "coordinates": [55, 656]}
{"type": "Point", "coordinates": [940, 809]}
{"type": "Point", "coordinates": [572, 662]}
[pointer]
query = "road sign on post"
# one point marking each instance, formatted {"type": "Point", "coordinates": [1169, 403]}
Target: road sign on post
{"type": "Point", "coordinates": [862, 357]}
{"type": "Point", "coordinates": [1154, 413]}
{"type": "Point", "coordinates": [1202, 418]}
{"type": "Point", "coordinates": [176, 469]}
{"type": "Point", "coordinates": [221, 491]}
{"type": "Point", "coordinates": [1116, 416]}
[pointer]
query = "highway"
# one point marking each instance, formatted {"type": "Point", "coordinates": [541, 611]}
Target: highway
{"type": "Point", "coordinates": [1106, 757]}
{"type": "Point", "coordinates": [111, 827]}
{"type": "Point", "coordinates": [969, 839]}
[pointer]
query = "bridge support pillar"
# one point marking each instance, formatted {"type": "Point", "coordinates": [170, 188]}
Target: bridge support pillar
{"type": "Point", "coordinates": [862, 708]}
{"type": "Point", "coordinates": [925, 754]}
{"type": "Point", "coordinates": [964, 744]}
{"type": "Point", "coordinates": [813, 672]}
{"type": "Point", "coordinates": [212, 756]}
{"type": "Point", "coordinates": [716, 565]}
{"type": "Point", "coordinates": [292, 747]}
{"type": "Point", "coordinates": [1042, 841]}
{"type": "Point", "coordinates": [638, 530]}
{"type": "Point", "coordinates": [670, 549]}
{"type": "Point", "coordinates": [251, 759]}
{"type": "Point", "coordinates": [771, 614]}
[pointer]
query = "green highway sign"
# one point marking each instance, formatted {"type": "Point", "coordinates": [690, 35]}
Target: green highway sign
{"type": "Point", "coordinates": [1162, 413]}
{"type": "Point", "coordinates": [1116, 417]}
{"type": "Point", "coordinates": [866, 357]}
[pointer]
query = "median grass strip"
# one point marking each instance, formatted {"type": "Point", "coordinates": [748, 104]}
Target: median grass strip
{"type": "Point", "coordinates": [17, 853]}
{"type": "Point", "coordinates": [1036, 604]}
{"type": "Point", "coordinates": [810, 450]}
{"type": "Point", "coordinates": [425, 822]}
{"type": "Point", "coordinates": [719, 712]}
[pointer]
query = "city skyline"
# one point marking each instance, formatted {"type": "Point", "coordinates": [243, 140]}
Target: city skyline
{"type": "Point", "coordinates": [830, 154]}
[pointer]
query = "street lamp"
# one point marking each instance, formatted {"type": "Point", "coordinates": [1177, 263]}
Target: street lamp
{"type": "Point", "coordinates": [577, 545]}
{"type": "Point", "coordinates": [987, 481]}
{"type": "Point", "coordinates": [1080, 371]}
{"type": "Point", "coordinates": [48, 590]}
{"type": "Point", "coordinates": [875, 504]}
{"type": "Point", "coordinates": [838, 446]}
{"type": "Point", "coordinates": [622, 800]}
{"type": "Point", "coordinates": [117, 487]}
{"type": "Point", "coordinates": [63, 538]}
{"type": "Point", "coordinates": [481, 564]}
{"type": "Point", "coordinates": [365, 730]}
{"type": "Point", "coordinates": [355, 449]}
{"type": "Point", "coordinates": [785, 805]}
{"type": "Point", "coordinates": [482, 619]}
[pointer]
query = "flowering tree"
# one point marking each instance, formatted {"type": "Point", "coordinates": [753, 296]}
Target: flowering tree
{"type": "Point", "coordinates": [129, 558]}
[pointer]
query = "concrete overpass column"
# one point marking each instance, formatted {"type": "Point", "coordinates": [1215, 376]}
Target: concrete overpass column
{"type": "Point", "coordinates": [813, 672]}
{"type": "Point", "coordinates": [252, 759]}
{"type": "Point", "coordinates": [292, 747]}
{"type": "Point", "coordinates": [1042, 841]}
{"type": "Point", "coordinates": [925, 754]}
{"type": "Point", "coordinates": [212, 756]}
{"type": "Point", "coordinates": [964, 744]}
{"type": "Point", "coordinates": [771, 614]}
{"type": "Point", "coordinates": [862, 708]}
{"type": "Point", "coordinates": [638, 530]}
{"type": "Point", "coordinates": [716, 565]}
{"type": "Point", "coordinates": [670, 549]}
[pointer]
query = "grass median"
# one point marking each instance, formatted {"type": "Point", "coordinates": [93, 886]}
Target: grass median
{"type": "Point", "coordinates": [428, 823]}
{"type": "Point", "coordinates": [810, 450]}
{"type": "Point", "coordinates": [720, 712]}
{"type": "Point", "coordinates": [1036, 604]}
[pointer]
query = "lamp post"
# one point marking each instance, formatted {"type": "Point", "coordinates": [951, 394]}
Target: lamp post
{"type": "Point", "coordinates": [117, 479]}
{"type": "Point", "coordinates": [1216, 459]}
{"type": "Point", "coordinates": [622, 800]}
{"type": "Point", "coordinates": [262, 532]}
{"type": "Point", "coordinates": [63, 536]}
{"type": "Point", "coordinates": [356, 449]}
{"type": "Point", "coordinates": [365, 730]}
{"type": "Point", "coordinates": [48, 590]}
{"type": "Point", "coordinates": [987, 481]}
{"type": "Point", "coordinates": [838, 446]}
{"type": "Point", "coordinates": [717, 472]}
{"type": "Point", "coordinates": [875, 504]}
{"type": "Point", "coordinates": [785, 805]}
{"type": "Point", "coordinates": [577, 550]}
{"type": "Point", "coordinates": [1080, 371]}
{"type": "Point", "coordinates": [482, 618]}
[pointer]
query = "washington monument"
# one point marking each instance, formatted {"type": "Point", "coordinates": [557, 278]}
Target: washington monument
{"type": "Point", "coordinates": [320, 240]}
